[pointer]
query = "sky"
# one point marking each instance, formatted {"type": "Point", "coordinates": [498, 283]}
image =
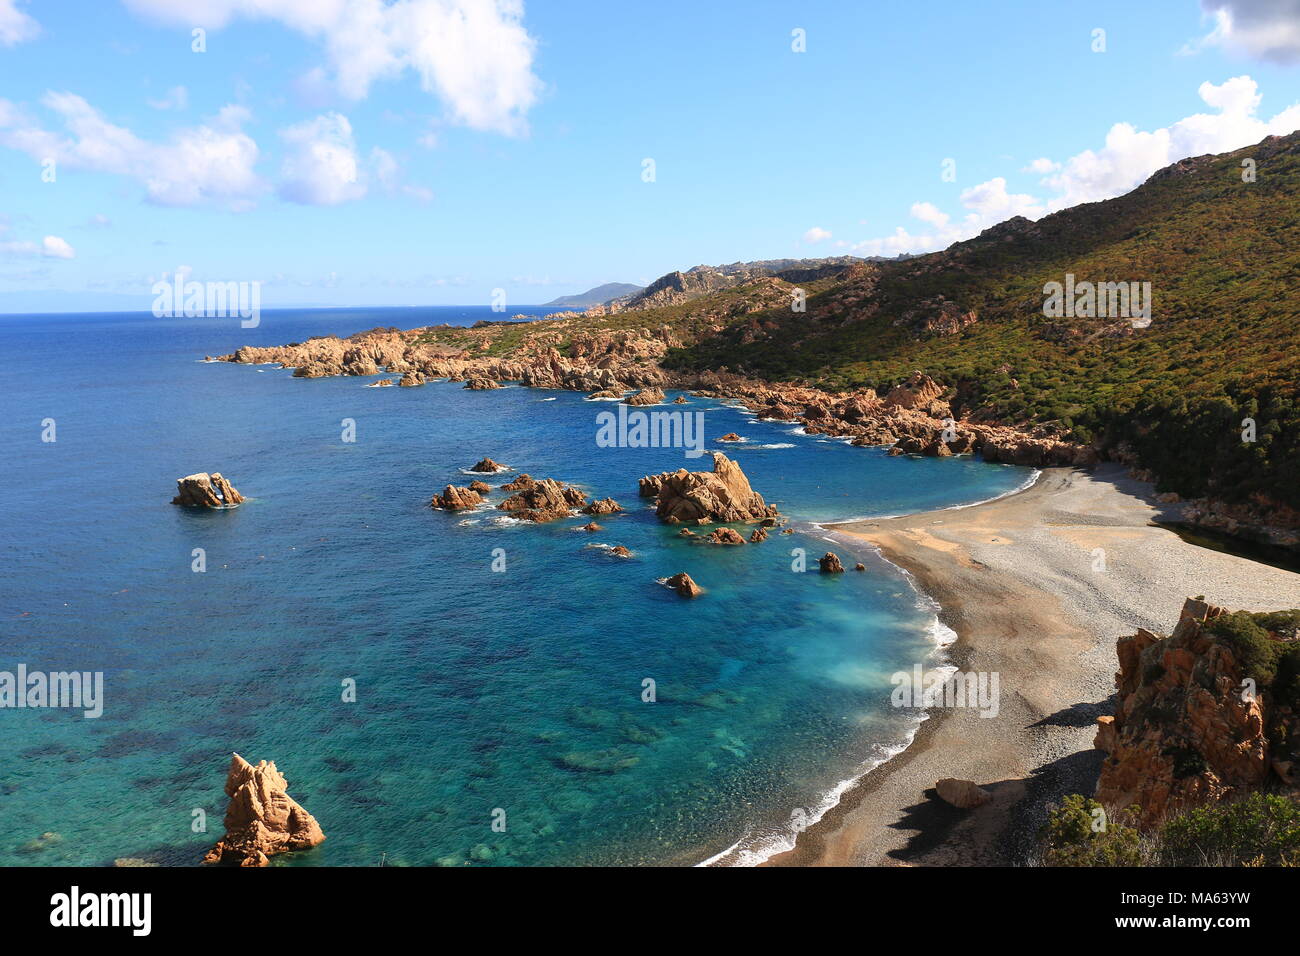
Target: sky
{"type": "Point", "coordinates": [429, 152]}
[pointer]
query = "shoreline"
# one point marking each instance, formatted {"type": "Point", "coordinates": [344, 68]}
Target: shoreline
{"type": "Point", "coordinates": [988, 566]}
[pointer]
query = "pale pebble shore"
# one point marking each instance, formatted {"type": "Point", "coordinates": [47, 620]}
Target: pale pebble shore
{"type": "Point", "coordinates": [1016, 578]}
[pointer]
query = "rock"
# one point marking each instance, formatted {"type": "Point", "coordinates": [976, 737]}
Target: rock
{"type": "Point", "coordinates": [787, 530]}
{"type": "Point", "coordinates": [412, 379]}
{"type": "Point", "coordinates": [520, 483]}
{"type": "Point", "coordinates": [1183, 733]}
{"type": "Point", "coordinates": [544, 500]}
{"type": "Point", "coordinates": [202, 490]}
{"type": "Point", "coordinates": [262, 819]}
{"type": "Point", "coordinates": [723, 494]}
{"type": "Point", "coordinates": [605, 506]}
{"type": "Point", "coordinates": [760, 534]}
{"type": "Point", "coordinates": [687, 533]}
{"type": "Point", "coordinates": [456, 499]}
{"type": "Point", "coordinates": [679, 400]}
{"type": "Point", "coordinates": [859, 566]}
{"type": "Point", "coordinates": [488, 466]}
{"type": "Point", "coordinates": [592, 526]}
{"type": "Point", "coordinates": [963, 794]}
{"type": "Point", "coordinates": [608, 393]}
{"type": "Point", "coordinates": [480, 487]}
{"type": "Point", "coordinates": [481, 384]}
{"type": "Point", "coordinates": [647, 396]}
{"type": "Point", "coordinates": [40, 843]}
{"type": "Point", "coordinates": [726, 536]}
{"type": "Point", "coordinates": [382, 383]}
{"type": "Point", "coordinates": [830, 563]}
{"type": "Point", "coordinates": [684, 585]}
{"type": "Point", "coordinates": [731, 436]}
{"type": "Point", "coordinates": [619, 551]}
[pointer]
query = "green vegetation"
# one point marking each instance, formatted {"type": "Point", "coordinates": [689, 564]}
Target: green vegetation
{"type": "Point", "coordinates": [1270, 663]}
{"type": "Point", "coordinates": [1260, 830]}
{"type": "Point", "coordinates": [1223, 260]}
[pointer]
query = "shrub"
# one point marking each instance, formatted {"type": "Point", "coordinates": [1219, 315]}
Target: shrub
{"type": "Point", "coordinates": [1073, 838]}
{"type": "Point", "coordinates": [1261, 830]}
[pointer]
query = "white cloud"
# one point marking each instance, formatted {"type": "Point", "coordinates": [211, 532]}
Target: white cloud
{"type": "Point", "coordinates": [15, 26]}
{"type": "Point", "coordinates": [320, 165]}
{"type": "Point", "coordinates": [52, 247]}
{"type": "Point", "coordinates": [177, 98]}
{"type": "Point", "coordinates": [1264, 29]}
{"type": "Point", "coordinates": [1127, 159]}
{"type": "Point", "coordinates": [816, 234]}
{"type": "Point", "coordinates": [211, 163]}
{"type": "Point", "coordinates": [99, 221]}
{"type": "Point", "coordinates": [475, 55]}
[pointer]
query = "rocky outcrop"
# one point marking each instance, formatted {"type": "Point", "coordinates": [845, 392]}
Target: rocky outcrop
{"type": "Point", "coordinates": [262, 819]}
{"type": "Point", "coordinates": [731, 436]}
{"type": "Point", "coordinates": [619, 551]}
{"type": "Point", "coordinates": [726, 536]}
{"type": "Point", "coordinates": [541, 501]}
{"type": "Point", "coordinates": [830, 563]}
{"type": "Point", "coordinates": [1208, 713]}
{"type": "Point", "coordinates": [480, 487]}
{"type": "Point", "coordinates": [456, 499]}
{"type": "Point", "coordinates": [722, 494]}
{"type": "Point", "coordinates": [684, 585]}
{"type": "Point", "coordinates": [481, 384]}
{"type": "Point", "coordinates": [647, 396]}
{"type": "Point", "coordinates": [760, 534]}
{"type": "Point", "coordinates": [591, 526]}
{"type": "Point", "coordinates": [412, 379]}
{"type": "Point", "coordinates": [488, 466]}
{"type": "Point", "coordinates": [203, 490]}
{"type": "Point", "coordinates": [604, 506]}
{"type": "Point", "coordinates": [963, 794]}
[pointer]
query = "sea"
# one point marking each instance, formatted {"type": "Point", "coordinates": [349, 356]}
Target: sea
{"type": "Point", "coordinates": [453, 689]}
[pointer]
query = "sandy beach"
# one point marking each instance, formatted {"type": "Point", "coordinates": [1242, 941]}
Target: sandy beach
{"type": "Point", "coordinates": [1021, 582]}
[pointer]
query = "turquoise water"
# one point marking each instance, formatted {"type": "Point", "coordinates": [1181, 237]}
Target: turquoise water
{"type": "Point", "coordinates": [477, 690]}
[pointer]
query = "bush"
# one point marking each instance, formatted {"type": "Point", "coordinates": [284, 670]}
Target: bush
{"type": "Point", "coordinates": [1257, 651]}
{"type": "Point", "coordinates": [1072, 836]}
{"type": "Point", "coordinates": [1261, 830]}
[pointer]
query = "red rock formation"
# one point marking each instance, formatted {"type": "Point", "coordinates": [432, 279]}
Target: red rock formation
{"type": "Point", "coordinates": [488, 466]}
{"type": "Point", "coordinates": [481, 384]}
{"type": "Point", "coordinates": [723, 494]}
{"type": "Point", "coordinates": [1184, 733]}
{"type": "Point", "coordinates": [731, 436]}
{"type": "Point", "coordinates": [544, 500]}
{"type": "Point", "coordinates": [203, 490]}
{"type": "Point", "coordinates": [412, 379]}
{"type": "Point", "coordinates": [480, 487]}
{"type": "Point", "coordinates": [456, 499]}
{"type": "Point", "coordinates": [684, 585]}
{"type": "Point", "coordinates": [830, 563]}
{"type": "Point", "coordinates": [592, 526]}
{"type": "Point", "coordinates": [262, 819]}
{"type": "Point", "coordinates": [619, 551]}
{"type": "Point", "coordinates": [760, 534]}
{"type": "Point", "coordinates": [605, 506]}
{"type": "Point", "coordinates": [647, 396]}
{"type": "Point", "coordinates": [726, 536]}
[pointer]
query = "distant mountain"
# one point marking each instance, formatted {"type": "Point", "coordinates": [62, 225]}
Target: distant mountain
{"type": "Point", "coordinates": [597, 296]}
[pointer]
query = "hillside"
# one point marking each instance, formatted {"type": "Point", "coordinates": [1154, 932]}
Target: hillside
{"type": "Point", "coordinates": [1221, 258]}
{"type": "Point", "coordinates": [597, 296]}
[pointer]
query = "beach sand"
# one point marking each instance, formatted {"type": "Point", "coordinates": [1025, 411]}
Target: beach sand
{"type": "Point", "coordinates": [1020, 583]}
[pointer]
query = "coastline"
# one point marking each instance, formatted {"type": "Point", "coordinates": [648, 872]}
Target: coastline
{"type": "Point", "coordinates": [989, 567]}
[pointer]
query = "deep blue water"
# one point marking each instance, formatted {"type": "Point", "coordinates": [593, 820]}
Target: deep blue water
{"type": "Point", "coordinates": [476, 689]}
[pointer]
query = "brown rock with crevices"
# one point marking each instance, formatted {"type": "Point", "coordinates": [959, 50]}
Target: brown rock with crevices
{"type": "Point", "coordinates": [481, 384]}
{"type": "Point", "coordinates": [480, 487]}
{"type": "Point", "coordinates": [963, 794]}
{"type": "Point", "coordinates": [647, 396]}
{"type": "Point", "coordinates": [262, 819]}
{"type": "Point", "coordinates": [604, 506]}
{"type": "Point", "coordinates": [726, 536]}
{"type": "Point", "coordinates": [830, 563]}
{"type": "Point", "coordinates": [203, 490]}
{"type": "Point", "coordinates": [684, 585]}
{"type": "Point", "coordinates": [456, 499]}
{"type": "Point", "coordinates": [544, 500]}
{"type": "Point", "coordinates": [760, 534]}
{"type": "Point", "coordinates": [723, 494]}
{"type": "Point", "coordinates": [488, 466]}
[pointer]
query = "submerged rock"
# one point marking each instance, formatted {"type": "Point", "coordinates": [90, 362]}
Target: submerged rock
{"type": "Point", "coordinates": [262, 819]}
{"type": "Point", "coordinates": [203, 490]}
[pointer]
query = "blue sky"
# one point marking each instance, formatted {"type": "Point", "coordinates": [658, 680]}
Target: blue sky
{"type": "Point", "coordinates": [352, 152]}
